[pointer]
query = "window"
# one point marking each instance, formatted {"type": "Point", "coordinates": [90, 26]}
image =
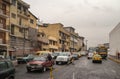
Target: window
{"type": "Point", "coordinates": [14, 2]}
{"type": "Point", "coordinates": [13, 15]}
{"type": "Point", "coordinates": [12, 29]}
{"type": "Point", "coordinates": [19, 6]}
{"type": "Point", "coordinates": [31, 21]}
{"type": "Point", "coordinates": [21, 30]}
{"type": "Point", "coordinates": [20, 21]}
{"type": "Point", "coordinates": [53, 42]}
{"type": "Point", "coordinates": [60, 41]}
{"type": "Point", "coordinates": [50, 42]}
{"type": "Point", "coordinates": [10, 64]}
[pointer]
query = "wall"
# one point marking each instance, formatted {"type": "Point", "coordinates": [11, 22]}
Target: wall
{"type": "Point", "coordinates": [114, 39]}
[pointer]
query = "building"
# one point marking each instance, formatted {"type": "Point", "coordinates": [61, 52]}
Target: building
{"type": "Point", "coordinates": [4, 32]}
{"type": "Point", "coordinates": [32, 32]}
{"type": "Point", "coordinates": [57, 35]}
{"type": "Point", "coordinates": [114, 39]}
{"type": "Point", "coordinates": [22, 29]}
{"type": "Point", "coordinates": [43, 42]}
{"type": "Point", "coordinates": [76, 42]}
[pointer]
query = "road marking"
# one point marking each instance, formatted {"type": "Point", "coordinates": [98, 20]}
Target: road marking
{"type": "Point", "coordinates": [73, 75]}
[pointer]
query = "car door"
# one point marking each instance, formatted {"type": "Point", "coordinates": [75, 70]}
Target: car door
{"type": "Point", "coordinates": [11, 69]}
{"type": "Point", "coordinates": [48, 63]}
{"type": "Point", "coordinates": [3, 70]}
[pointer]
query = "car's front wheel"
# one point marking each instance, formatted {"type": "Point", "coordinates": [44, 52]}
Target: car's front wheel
{"type": "Point", "coordinates": [44, 69]}
{"type": "Point", "coordinates": [28, 70]}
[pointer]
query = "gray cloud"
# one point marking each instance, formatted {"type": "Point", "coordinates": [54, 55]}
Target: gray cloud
{"type": "Point", "coordinates": [93, 19]}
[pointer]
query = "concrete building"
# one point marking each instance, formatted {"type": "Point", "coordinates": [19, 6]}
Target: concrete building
{"type": "Point", "coordinates": [43, 42]}
{"type": "Point", "coordinates": [59, 39]}
{"type": "Point", "coordinates": [22, 29]}
{"type": "Point", "coordinates": [76, 42]}
{"type": "Point", "coordinates": [4, 20]}
{"type": "Point", "coordinates": [32, 32]}
{"type": "Point", "coordinates": [114, 39]}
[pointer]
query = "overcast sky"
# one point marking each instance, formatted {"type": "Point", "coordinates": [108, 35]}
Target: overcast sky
{"type": "Point", "coordinates": [92, 19]}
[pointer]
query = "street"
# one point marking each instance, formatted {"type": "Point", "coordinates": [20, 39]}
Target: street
{"type": "Point", "coordinates": [83, 69]}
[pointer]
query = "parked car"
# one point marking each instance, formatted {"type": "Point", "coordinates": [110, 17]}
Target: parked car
{"type": "Point", "coordinates": [97, 58]}
{"type": "Point", "coordinates": [7, 69]}
{"type": "Point", "coordinates": [83, 53]}
{"type": "Point", "coordinates": [75, 56]}
{"type": "Point", "coordinates": [90, 55]}
{"type": "Point", "coordinates": [39, 63]}
{"type": "Point", "coordinates": [43, 53]}
{"type": "Point", "coordinates": [25, 59]}
{"type": "Point", "coordinates": [64, 57]}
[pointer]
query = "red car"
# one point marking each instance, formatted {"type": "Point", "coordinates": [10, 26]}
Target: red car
{"type": "Point", "coordinates": [39, 63]}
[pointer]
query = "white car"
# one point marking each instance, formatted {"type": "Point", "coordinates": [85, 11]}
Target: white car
{"type": "Point", "coordinates": [83, 53]}
{"type": "Point", "coordinates": [90, 55]}
{"type": "Point", "coordinates": [63, 57]}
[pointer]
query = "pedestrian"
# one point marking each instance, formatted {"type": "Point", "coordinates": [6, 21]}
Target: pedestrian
{"type": "Point", "coordinates": [72, 59]}
{"type": "Point", "coordinates": [49, 57]}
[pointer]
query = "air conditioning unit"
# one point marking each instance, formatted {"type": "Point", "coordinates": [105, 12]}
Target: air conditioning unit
{"type": "Point", "coordinates": [1, 41]}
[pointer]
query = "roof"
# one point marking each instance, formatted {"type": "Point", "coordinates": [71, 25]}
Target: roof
{"type": "Point", "coordinates": [33, 15]}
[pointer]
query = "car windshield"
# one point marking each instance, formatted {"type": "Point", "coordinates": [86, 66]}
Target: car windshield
{"type": "Point", "coordinates": [63, 54]}
{"type": "Point", "coordinates": [74, 55]}
{"type": "Point", "coordinates": [55, 54]}
{"type": "Point", "coordinates": [39, 59]}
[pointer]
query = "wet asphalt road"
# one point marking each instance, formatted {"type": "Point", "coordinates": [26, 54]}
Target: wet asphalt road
{"type": "Point", "coordinates": [83, 69]}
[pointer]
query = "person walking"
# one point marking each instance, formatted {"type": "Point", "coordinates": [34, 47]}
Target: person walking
{"type": "Point", "coordinates": [72, 59]}
{"type": "Point", "coordinates": [49, 57]}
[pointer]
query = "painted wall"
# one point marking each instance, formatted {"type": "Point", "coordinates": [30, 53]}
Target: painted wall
{"type": "Point", "coordinates": [114, 39]}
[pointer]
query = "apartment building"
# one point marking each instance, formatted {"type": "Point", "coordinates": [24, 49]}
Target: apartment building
{"type": "Point", "coordinates": [22, 22]}
{"type": "Point", "coordinates": [32, 32]}
{"type": "Point", "coordinates": [4, 20]}
{"type": "Point", "coordinates": [76, 41]}
{"type": "Point", "coordinates": [57, 35]}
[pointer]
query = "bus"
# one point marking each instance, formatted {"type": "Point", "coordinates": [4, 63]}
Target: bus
{"type": "Point", "coordinates": [103, 51]}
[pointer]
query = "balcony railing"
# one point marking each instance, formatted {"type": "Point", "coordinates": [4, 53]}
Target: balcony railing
{"type": "Point", "coordinates": [43, 39]}
{"type": "Point", "coordinates": [4, 13]}
{"type": "Point", "coordinates": [1, 41]}
{"type": "Point", "coordinates": [1, 25]}
{"type": "Point", "coordinates": [23, 14]}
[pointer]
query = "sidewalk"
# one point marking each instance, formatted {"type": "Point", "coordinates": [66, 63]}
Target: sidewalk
{"type": "Point", "coordinates": [114, 58]}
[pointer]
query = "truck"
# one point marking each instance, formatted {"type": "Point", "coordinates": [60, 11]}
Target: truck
{"type": "Point", "coordinates": [102, 50]}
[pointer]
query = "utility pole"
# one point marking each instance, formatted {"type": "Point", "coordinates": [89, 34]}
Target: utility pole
{"type": "Point", "coordinates": [24, 41]}
{"type": "Point", "coordinates": [73, 44]}
{"type": "Point", "coordinates": [86, 44]}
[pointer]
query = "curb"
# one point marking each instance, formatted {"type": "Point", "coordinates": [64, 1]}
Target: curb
{"type": "Point", "coordinates": [113, 59]}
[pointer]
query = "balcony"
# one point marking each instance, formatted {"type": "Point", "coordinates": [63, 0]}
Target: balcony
{"type": "Point", "coordinates": [53, 47]}
{"type": "Point", "coordinates": [23, 14]}
{"type": "Point", "coordinates": [2, 28]}
{"type": "Point", "coordinates": [43, 39]}
{"type": "Point", "coordinates": [2, 42]}
{"type": "Point", "coordinates": [1, 25]}
{"type": "Point", "coordinates": [3, 14]}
